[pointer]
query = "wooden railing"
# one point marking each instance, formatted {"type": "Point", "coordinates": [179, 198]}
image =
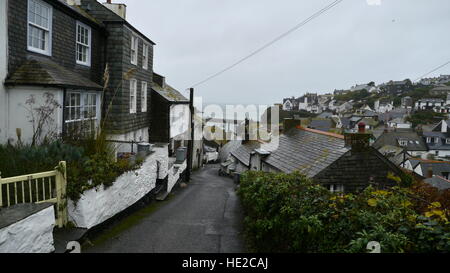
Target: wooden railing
{"type": "Point", "coordinates": [46, 187]}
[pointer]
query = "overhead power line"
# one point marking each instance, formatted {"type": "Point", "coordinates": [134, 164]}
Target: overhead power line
{"type": "Point", "coordinates": [434, 70]}
{"type": "Point", "coordinates": [296, 27]}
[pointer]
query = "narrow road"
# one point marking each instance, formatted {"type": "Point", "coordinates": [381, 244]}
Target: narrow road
{"type": "Point", "coordinates": [204, 217]}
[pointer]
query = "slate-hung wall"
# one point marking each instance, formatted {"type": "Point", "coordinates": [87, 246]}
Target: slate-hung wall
{"type": "Point", "coordinates": [63, 40]}
{"type": "Point", "coordinates": [120, 120]}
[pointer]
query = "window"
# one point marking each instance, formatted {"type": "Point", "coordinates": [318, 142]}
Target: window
{"type": "Point", "coordinates": [134, 49]}
{"type": "Point", "coordinates": [144, 97]}
{"type": "Point", "coordinates": [145, 56]}
{"type": "Point", "coordinates": [447, 141]}
{"type": "Point", "coordinates": [403, 143]}
{"type": "Point", "coordinates": [436, 140]}
{"type": "Point", "coordinates": [337, 188]}
{"type": "Point", "coordinates": [133, 87]}
{"type": "Point", "coordinates": [81, 113]}
{"type": "Point", "coordinates": [39, 27]}
{"type": "Point", "coordinates": [428, 139]}
{"type": "Point", "coordinates": [83, 44]}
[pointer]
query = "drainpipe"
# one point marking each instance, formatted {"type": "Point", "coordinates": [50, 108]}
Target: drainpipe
{"type": "Point", "coordinates": [63, 129]}
{"type": "Point", "coordinates": [191, 141]}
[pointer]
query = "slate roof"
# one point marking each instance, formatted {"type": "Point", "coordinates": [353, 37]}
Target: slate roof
{"type": "Point", "coordinates": [168, 92]}
{"type": "Point", "coordinates": [441, 144]}
{"type": "Point", "coordinates": [321, 124]}
{"type": "Point", "coordinates": [307, 151]}
{"type": "Point", "coordinates": [438, 182]}
{"type": "Point", "coordinates": [356, 170]}
{"type": "Point", "coordinates": [438, 167]}
{"type": "Point", "coordinates": [45, 72]}
{"type": "Point", "coordinates": [415, 142]}
{"type": "Point", "coordinates": [242, 153]}
{"type": "Point", "coordinates": [395, 154]}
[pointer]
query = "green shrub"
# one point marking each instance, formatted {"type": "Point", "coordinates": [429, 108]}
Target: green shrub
{"type": "Point", "coordinates": [290, 213]}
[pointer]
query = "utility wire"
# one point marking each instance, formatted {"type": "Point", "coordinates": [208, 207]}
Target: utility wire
{"type": "Point", "coordinates": [436, 69]}
{"type": "Point", "coordinates": [309, 19]}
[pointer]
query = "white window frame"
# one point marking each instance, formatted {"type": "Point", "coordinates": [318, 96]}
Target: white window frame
{"type": "Point", "coordinates": [428, 139]}
{"type": "Point", "coordinates": [83, 94]}
{"type": "Point", "coordinates": [436, 140]}
{"type": "Point", "coordinates": [89, 45]}
{"type": "Point", "coordinates": [339, 188]}
{"type": "Point", "coordinates": [403, 143]}
{"type": "Point", "coordinates": [133, 96]}
{"type": "Point", "coordinates": [134, 47]}
{"type": "Point", "coordinates": [447, 141]}
{"type": "Point", "coordinates": [48, 50]}
{"type": "Point", "coordinates": [145, 53]}
{"type": "Point", "coordinates": [144, 92]}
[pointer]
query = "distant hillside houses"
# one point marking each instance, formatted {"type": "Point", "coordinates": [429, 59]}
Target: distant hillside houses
{"type": "Point", "coordinates": [442, 79]}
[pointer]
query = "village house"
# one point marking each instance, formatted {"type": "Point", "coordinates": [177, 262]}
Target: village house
{"type": "Point", "coordinates": [438, 140]}
{"type": "Point", "coordinates": [396, 87]}
{"type": "Point", "coordinates": [407, 103]}
{"type": "Point", "coordinates": [60, 54]}
{"type": "Point", "coordinates": [55, 60]}
{"type": "Point", "coordinates": [129, 55]}
{"type": "Point", "coordinates": [170, 116]}
{"type": "Point", "coordinates": [435, 173]}
{"type": "Point", "coordinates": [290, 104]}
{"type": "Point", "coordinates": [341, 164]}
{"type": "Point", "coordinates": [406, 139]}
{"type": "Point", "coordinates": [399, 123]}
{"type": "Point", "coordinates": [383, 106]}
{"type": "Point", "coordinates": [429, 104]}
{"type": "Point", "coordinates": [440, 90]}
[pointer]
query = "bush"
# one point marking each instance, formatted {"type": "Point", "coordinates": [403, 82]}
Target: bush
{"type": "Point", "coordinates": [88, 165]}
{"type": "Point", "coordinates": [290, 213]}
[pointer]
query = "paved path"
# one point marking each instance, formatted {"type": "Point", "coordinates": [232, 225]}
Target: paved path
{"type": "Point", "coordinates": [205, 217]}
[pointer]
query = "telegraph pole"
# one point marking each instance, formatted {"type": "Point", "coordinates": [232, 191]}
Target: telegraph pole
{"type": "Point", "coordinates": [192, 129]}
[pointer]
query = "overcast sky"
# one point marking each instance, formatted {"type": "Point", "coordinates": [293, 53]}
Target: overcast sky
{"type": "Point", "coordinates": [353, 43]}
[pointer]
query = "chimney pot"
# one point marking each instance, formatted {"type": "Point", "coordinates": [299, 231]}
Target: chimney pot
{"type": "Point", "coordinates": [361, 128]}
{"type": "Point", "coordinates": [430, 172]}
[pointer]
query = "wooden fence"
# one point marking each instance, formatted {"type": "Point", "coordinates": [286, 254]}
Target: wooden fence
{"type": "Point", "coordinates": [46, 187]}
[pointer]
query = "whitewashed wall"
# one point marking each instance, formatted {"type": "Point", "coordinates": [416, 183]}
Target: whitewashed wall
{"type": "Point", "coordinates": [3, 69]}
{"type": "Point", "coordinates": [18, 117]}
{"type": "Point", "coordinates": [174, 175]}
{"type": "Point", "coordinates": [98, 205]}
{"type": "Point", "coordinates": [179, 119]}
{"type": "Point", "coordinates": [33, 234]}
{"type": "Point", "coordinates": [140, 135]}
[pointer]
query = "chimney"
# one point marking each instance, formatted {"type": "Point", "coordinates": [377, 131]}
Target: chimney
{"type": "Point", "coordinates": [430, 172]}
{"type": "Point", "coordinates": [119, 9]}
{"type": "Point", "coordinates": [247, 130]}
{"type": "Point", "coordinates": [361, 128]}
{"type": "Point", "coordinates": [359, 141]}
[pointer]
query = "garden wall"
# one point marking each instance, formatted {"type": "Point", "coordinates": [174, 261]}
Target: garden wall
{"type": "Point", "coordinates": [98, 205]}
{"type": "Point", "coordinates": [174, 175]}
{"type": "Point", "coordinates": [31, 230]}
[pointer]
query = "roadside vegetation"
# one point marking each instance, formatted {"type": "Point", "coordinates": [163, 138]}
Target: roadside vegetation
{"type": "Point", "coordinates": [289, 213]}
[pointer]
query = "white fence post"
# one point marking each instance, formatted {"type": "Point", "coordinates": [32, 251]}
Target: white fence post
{"type": "Point", "coordinates": [61, 184]}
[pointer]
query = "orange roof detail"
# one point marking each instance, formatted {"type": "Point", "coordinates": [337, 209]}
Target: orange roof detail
{"type": "Point", "coordinates": [321, 132]}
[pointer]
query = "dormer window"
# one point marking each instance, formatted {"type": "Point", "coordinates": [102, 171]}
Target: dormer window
{"type": "Point", "coordinates": [39, 27]}
{"type": "Point", "coordinates": [428, 139]}
{"type": "Point", "coordinates": [403, 143]}
{"type": "Point", "coordinates": [447, 141]}
{"type": "Point", "coordinates": [436, 140]}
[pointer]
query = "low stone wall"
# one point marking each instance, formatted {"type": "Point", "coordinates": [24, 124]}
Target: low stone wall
{"type": "Point", "coordinates": [31, 233]}
{"type": "Point", "coordinates": [174, 175]}
{"type": "Point", "coordinates": [98, 205]}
